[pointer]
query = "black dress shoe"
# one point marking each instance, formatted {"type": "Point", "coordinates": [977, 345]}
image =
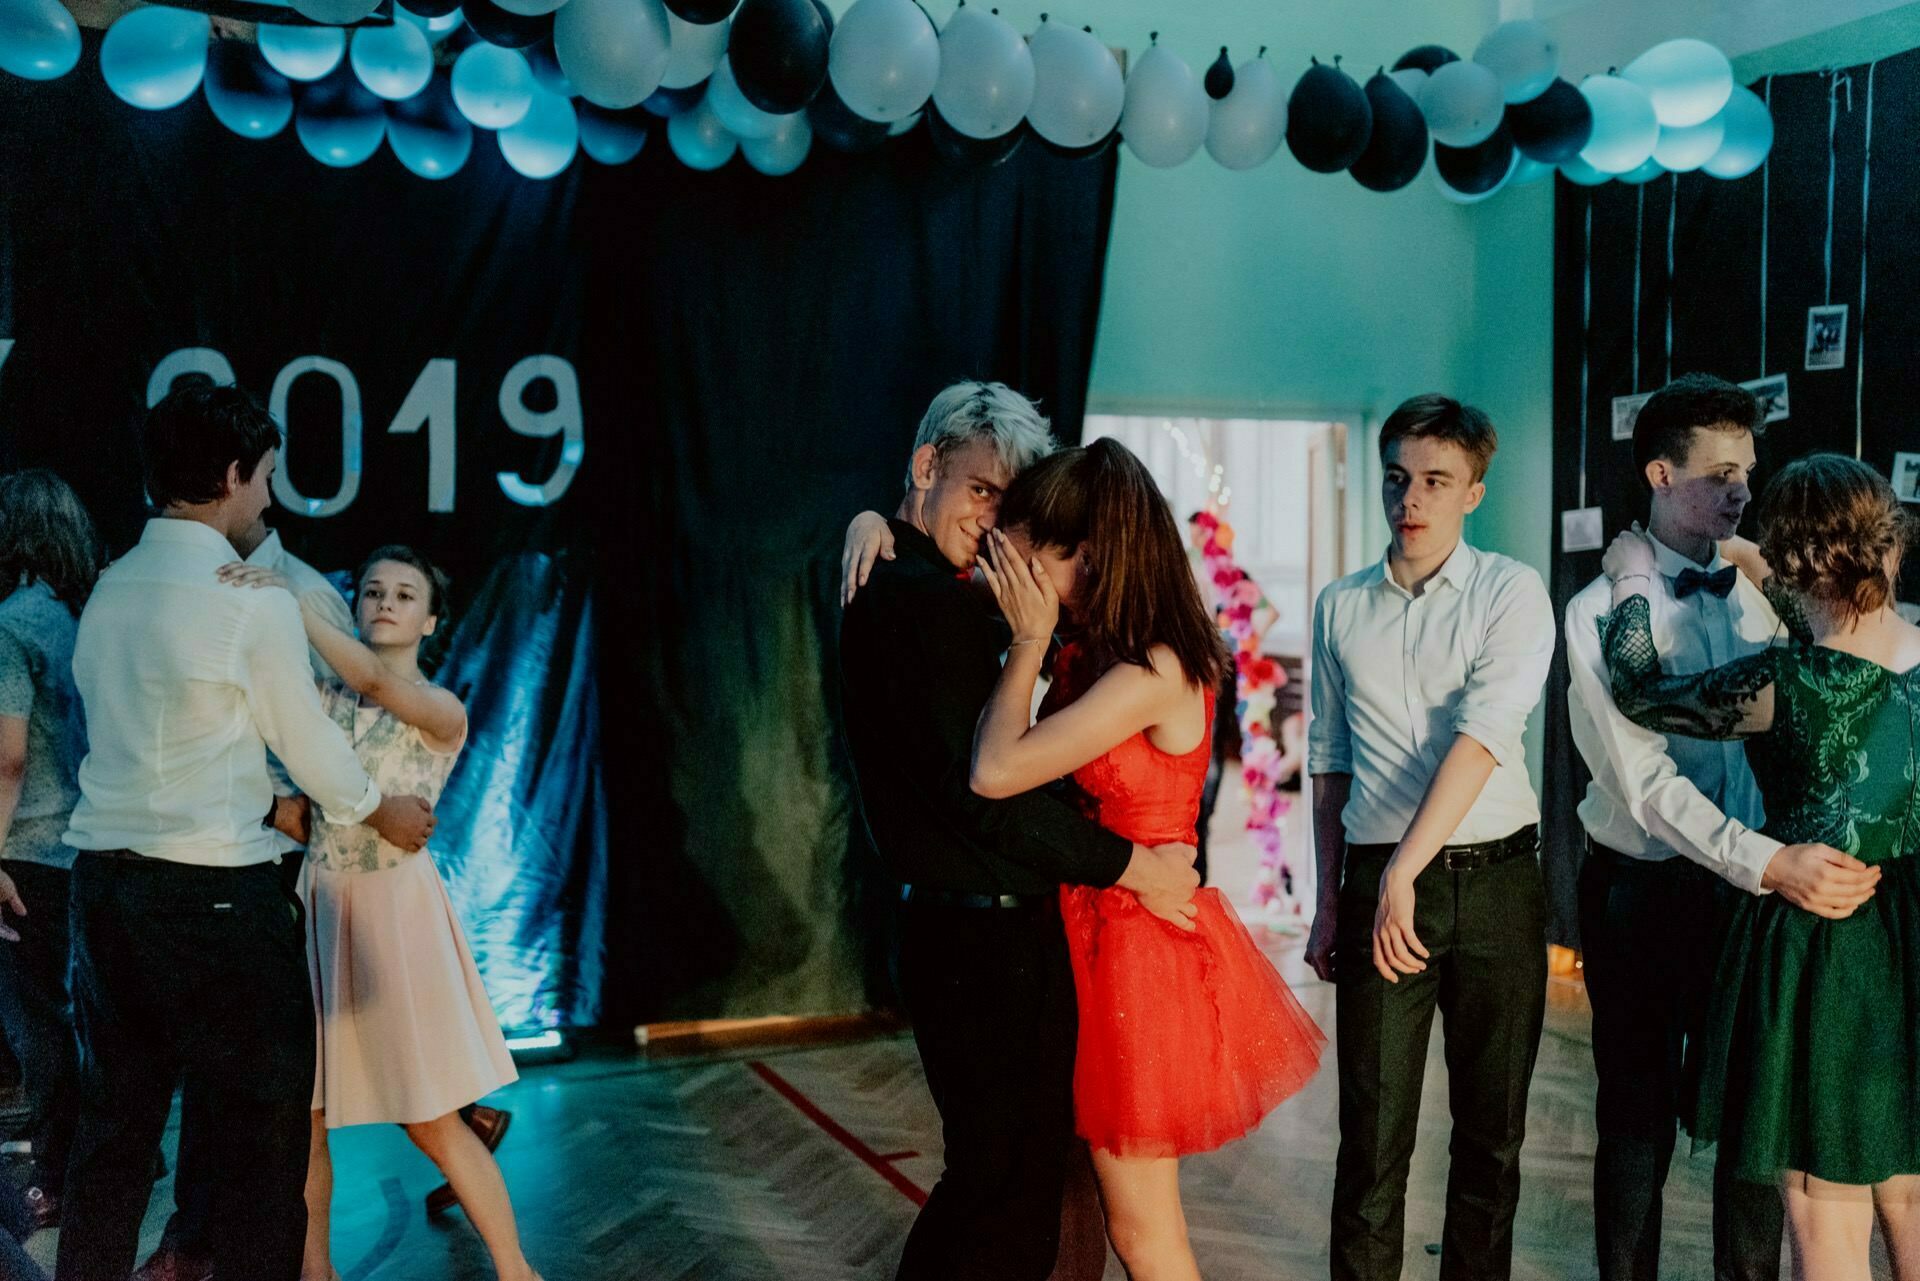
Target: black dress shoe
{"type": "Point", "coordinates": [491, 1125]}
{"type": "Point", "coordinates": [45, 1207]}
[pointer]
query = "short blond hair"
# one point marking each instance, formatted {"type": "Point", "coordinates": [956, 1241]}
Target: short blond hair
{"type": "Point", "coordinates": [993, 412]}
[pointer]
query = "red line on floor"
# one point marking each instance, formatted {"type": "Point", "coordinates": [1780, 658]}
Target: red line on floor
{"type": "Point", "coordinates": [839, 1133]}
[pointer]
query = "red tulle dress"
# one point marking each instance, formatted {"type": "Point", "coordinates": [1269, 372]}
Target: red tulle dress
{"type": "Point", "coordinates": [1187, 1040]}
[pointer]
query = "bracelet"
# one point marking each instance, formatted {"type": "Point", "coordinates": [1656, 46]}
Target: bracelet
{"type": "Point", "coordinates": [1032, 640]}
{"type": "Point", "coordinates": [1627, 578]}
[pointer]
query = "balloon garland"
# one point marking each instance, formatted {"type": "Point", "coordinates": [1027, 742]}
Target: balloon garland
{"type": "Point", "coordinates": [769, 77]}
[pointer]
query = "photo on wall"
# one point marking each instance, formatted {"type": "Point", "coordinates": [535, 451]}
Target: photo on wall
{"type": "Point", "coordinates": [1827, 337]}
{"type": "Point", "coordinates": [1771, 392]}
{"type": "Point", "coordinates": [1906, 477]}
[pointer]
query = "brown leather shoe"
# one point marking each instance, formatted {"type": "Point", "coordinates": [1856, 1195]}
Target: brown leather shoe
{"type": "Point", "coordinates": [168, 1264]}
{"type": "Point", "coordinates": [491, 1125]}
{"type": "Point", "coordinates": [44, 1206]}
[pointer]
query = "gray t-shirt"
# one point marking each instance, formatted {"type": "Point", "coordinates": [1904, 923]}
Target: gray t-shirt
{"type": "Point", "coordinates": [36, 685]}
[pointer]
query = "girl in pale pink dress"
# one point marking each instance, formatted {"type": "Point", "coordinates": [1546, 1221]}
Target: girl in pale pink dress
{"type": "Point", "coordinates": [406, 1033]}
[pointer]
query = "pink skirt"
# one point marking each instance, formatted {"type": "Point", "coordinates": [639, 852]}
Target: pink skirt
{"type": "Point", "coordinates": [406, 1032]}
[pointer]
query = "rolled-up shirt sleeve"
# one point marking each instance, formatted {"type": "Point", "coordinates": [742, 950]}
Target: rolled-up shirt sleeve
{"type": "Point", "coordinates": [1328, 751]}
{"type": "Point", "coordinates": [1510, 673]}
{"type": "Point", "coordinates": [286, 709]}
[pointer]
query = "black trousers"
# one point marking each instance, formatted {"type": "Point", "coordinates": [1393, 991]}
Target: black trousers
{"type": "Point", "coordinates": [193, 973]}
{"type": "Point", "coordinates": [1650, 935]}
{"type": "Point", "coordinates": [990, 992]}
{"type": "Point", "coordinates": [36, 1011]}
{"type": "Point", "coordinates": [1487, 975]}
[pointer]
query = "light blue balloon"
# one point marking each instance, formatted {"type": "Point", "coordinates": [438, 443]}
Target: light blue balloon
{"type": "Point", "coordinates": [39, 40]}
{"type": "Point", "coordinates": [427, 132]}
{"type": "Point", "coordinates": [785, 151]}
{"type": "Point", "coordinates": [492, 86]}
{"type": "Point", "coordinates": [1581, 174]}
{"type": "Point", "coordinates": [699, 139]}
{"type": "Point", "coordinates": [302, 53]}
{"type": "Point", "coordinates": [153, 57]}
{"type": "Point", "coordinates": [612, 137]}
{"type": "Point", "coordinates": [244, 93]}
{"type": "Point", "coordinates": [1747, 138]}
{"type": "Point", "coordinates": [547, 72]}
{"type": "Point", "coordinates": [1523, 56]}
{"type": "Point", "coordinates": [1625, 128]}
{"type": "Point", "coordinates": [1688, 80]}
{"type": "Point", "coordinates": [435, 29]}
{"type": "Point", "coordinates": [1528, 171]}
{"type": "Point", "coordinates": [543, 142]}
{"type": "Point", "coordinates": [394, 61]}
{"type": "Point", "coordinates": [1644, 174]}
{"type": "Point", "coordinates": [339, 122]}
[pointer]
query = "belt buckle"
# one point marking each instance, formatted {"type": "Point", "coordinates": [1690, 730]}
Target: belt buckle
{"type": "Point", "coordinates": [1446, 860]}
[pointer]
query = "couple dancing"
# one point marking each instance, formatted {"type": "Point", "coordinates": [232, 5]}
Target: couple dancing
{"type": "Point", "coordinates": [1063, 972]}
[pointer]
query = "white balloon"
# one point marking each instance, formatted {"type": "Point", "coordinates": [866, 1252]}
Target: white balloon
{"type": "Point", "coordinates": [884, 59]}
{"type": "Point", "coordinates": [530, 9]}
{"type": "Point", "coordinates": [741, 118]}
{"type": "Point", "coordinates": [1463, 104]}
{"type": "Point", "coordinates": [1523, 56]}
{"type": "Point", "coordinates": [1625, 130]}
{"type": "Point", "coordinates": [302, 53]}
{"type": "Point", "coordinates": [394, 61]}
{"type": "Point", "coordinates": [613, 51]}
{"type": "Point", "coordinates": [335, 12]}
{"type": "Point", "coordinates": [986, 74]}
{"type": "Point", "coordinates": [699, 139]}
{"type": "Point", "coordinates": [1412, 82]}
{"type": "Point", "coordinates": [1078, 91]}
{"type": "Point", "coordinates": [435, 29]}
{"type": "Point", "coordinates": [1748, 128]}
{"type": "Point", "coordinates": [784, 150]}
{"type": "Point", "coordinates": [1644, 174]}
{"type": "Point", "coordinates": [1685, 149]}
{"type": "Point", "coordinates": [492, 87]}
{"type": "Point", "coordinates": [1166, 116]}
{"type": "Point", "coordinates": [544, 140]}
{"type": "Point", "coordinates": [1688, 80]}
{"type": "Point", "coordinates": [1581, 174]}
{"type": "Point", "coordinates": [1246, 127]}
{"type": "Point", "coordinates": [696, 47]}
{"type": "Point", "coordinates": [39, 40]}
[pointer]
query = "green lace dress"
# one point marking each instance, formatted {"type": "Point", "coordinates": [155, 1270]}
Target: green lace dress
{"type": "Point", "coordinates": [1811, 1058]}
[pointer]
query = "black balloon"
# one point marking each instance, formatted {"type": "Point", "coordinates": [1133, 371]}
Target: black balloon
{"type": "Point", "coordinates": [701, 13]}
{"type": "Point", "coordinates": [667, 103]}
{"type": "Point", "coordinates": [1397, 148]}
{"type": "Point", "coordinates": [1427, 58]}
{"type": "Point", "coordinates": [835, 124]}
{"type": "Point", "coordinates": [433, 8]}
{"type": "Point", "coordinates": [1328, 120]}
{"type": "Point", "coordinates": [1554, 127]}
{"type": "Point", "coordinates": [778, 50]}
{"type": "Point", "coordinates": [1476, 170]}
{"type": "Point", "coordinates": [510, 30]}
{"type": "Point", "coordinates": [1219, 79]}
{"type": "Point", "coordinates": [963, 152]}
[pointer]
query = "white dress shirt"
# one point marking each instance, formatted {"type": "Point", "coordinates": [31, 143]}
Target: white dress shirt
{"type": "Point", "coordinates": [1655, 796]}
{"type": "Point", "coordinates": [1397, 676]}
{"type": "Point", "coordinates": [308, 584]}
{"type": "Point", "coordinates": [186, 682]}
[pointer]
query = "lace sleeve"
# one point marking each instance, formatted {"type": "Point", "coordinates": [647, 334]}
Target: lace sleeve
{"type": "Point", "coordinates": [1786, 605]}
{"type": "Point", "coordinates": [1731, 701]}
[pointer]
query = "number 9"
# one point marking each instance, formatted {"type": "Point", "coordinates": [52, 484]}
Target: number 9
{"type": "Point", "coordinates": [563, 420]}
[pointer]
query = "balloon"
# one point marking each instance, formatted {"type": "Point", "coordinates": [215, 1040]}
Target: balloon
{"type": "Point", "coordinates": [694, 48]}
{"type": "Point", "coordinates": [302, 53]}
{"type": "Point", "coordinates": [1463, 198]}
{"type": "Point", "coordinates": [1219, 81]}
{"type": "Point", "coordinates": [493, 87]}
{"type": "Point", "coordinates": [612, 137]}
{"type": "Point", "coordinates": [742, 119]}
{"type": "Point", "coordinates": [1624, 126]}
{"type": "Point", "coordinates": [335, 12]}
{"type": "Point", "coordinates": [1397, 146]}
{"type": "Point", "coordinates": [1166, 113]}
{"type": "Point", "coordinates": [986, 75]}
{"type": "Point", "coordinates": [1748, 128]}
{"type": "Point", "coordinates": [779, 53]}
{"type": "Point", "coordinates": [431, 9]}
{"type": "Point", "coordinates": [701, 13]}
{"type": "Point", "coordinates": [614, 51]}
{"type": "Point", "coordinates": [1684, 149]}
{"type": "Point", "coordinates": [395, 61]}
{"type": "Point", "coordinates": [427, 132]}
{"type": "Point", "coordinates": [542, 143]}
{"type": "Point", "coordinates": [786, 149]}
{"type": "Point", "coordinates": [1644, 174]}
{"type": "Point", "coordinates": [1688, 80]}
{"type": "Point", "coordinates": [1463, 104]}
{"type": "Point", "coordinates": [906, 124]}
{"type": "Point", "coordinates": [545, 64]}
{"type": "Point", "coordinates": [1553, 127]}
{"type": "Point", "coordinates": [39, 40]}
{"type": "Point", "coordinates": [884, 59]}
{"type": "Point", "coordinates": [1412, 82]}
{"type": "Point", "coordinates": [965, 152]}
{"type": "Point", "coordinates": [507, 29]}
{"type": "Point", "coordinates": [434, 26]}
{"type": "Point", "coordinates": [1528, 171]}
{"type": "Point", "coordinates": [1522, 56]}
{"type": "Point", "coordinates": [1247, 125]}
{"type": "Point", "coordinates": [153, 57]}
{"type": "Point", "coordinates": [1328, 120]}
{"type": "Point", "coordinates": [1582, 174]}
{"type": "Point", "coordinates": [339, 121]}
{"type": "Point", "coordinates": [1428, 58]}
{"type": "Point", "coordinates": [1476, 170]}
{"type": "Point", "coordinates": [530, 9]}
{"type": "Point", "coordinates": [667, 103]}
{"type": "Point", "coordinates": [244, 93]}
{"type": "Point", "coordinates": [834, 124]}
{"type": "Point", "coordinates": [1078, 91]}
{"type": "Point", "coordinates": [699, 139]}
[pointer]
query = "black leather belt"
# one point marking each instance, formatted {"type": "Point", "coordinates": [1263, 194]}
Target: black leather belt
{"type": "Point", "coordinates": [1471, 858]}
{"type": "Point", "coordinates": [927, 896]}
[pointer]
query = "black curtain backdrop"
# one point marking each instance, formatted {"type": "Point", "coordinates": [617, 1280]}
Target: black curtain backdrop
{"type": "Point", "coordinates": [1748, 258]}
{"type": "Point", "coordinates": [653, 819]}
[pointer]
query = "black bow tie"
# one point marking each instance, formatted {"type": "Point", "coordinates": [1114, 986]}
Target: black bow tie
{"type": "Point", "coordinates": [1720, 582]}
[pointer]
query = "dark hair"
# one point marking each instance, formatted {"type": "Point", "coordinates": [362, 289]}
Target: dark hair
{"type": "Point", "coordinates": [1436, 417]}
{"type": "Point", "coordinates": [47, 537]}
{"type": "Point", "coordinates": [437, 583]}
{"type": "Point", "coordinates": [1665, 427]}
{"type": "Point", "coordinates": [1827, 523]}
{"type": "Point", "coordinates": [194, 433]}
{"type": "Point", "coordinates": [1141, 590]}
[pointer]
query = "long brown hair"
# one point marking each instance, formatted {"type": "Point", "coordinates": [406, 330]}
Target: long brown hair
{"type": "Point", "coordinates": [1140, 591]}
{"type": "Point", "coordinates": [1827, 526]}
{"type": "Point", "coordinates": [47, 537]}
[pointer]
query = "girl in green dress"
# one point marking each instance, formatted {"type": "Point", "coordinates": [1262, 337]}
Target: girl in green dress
{"type": "Point", "coordinates": [1810, 1067]}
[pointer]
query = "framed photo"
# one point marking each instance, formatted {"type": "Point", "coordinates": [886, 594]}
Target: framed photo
{"type": "Point", "coordinates": [1581, 530]}
{"type": "Point", "coordinates": [1626, 410]}
{"type": "Point", "coordinates": [1771, 392]}
{"type": "Point", "coordinates": [1827, 337]}
{"type": "Point", "coordinates": [1906, 477]}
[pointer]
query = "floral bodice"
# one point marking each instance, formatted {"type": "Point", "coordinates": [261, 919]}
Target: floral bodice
{"type": "Point", "coordinates": [397, 759]}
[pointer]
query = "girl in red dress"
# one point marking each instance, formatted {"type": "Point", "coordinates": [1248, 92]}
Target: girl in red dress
{"type": "Point", "coordinates": [1188, 1037]}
